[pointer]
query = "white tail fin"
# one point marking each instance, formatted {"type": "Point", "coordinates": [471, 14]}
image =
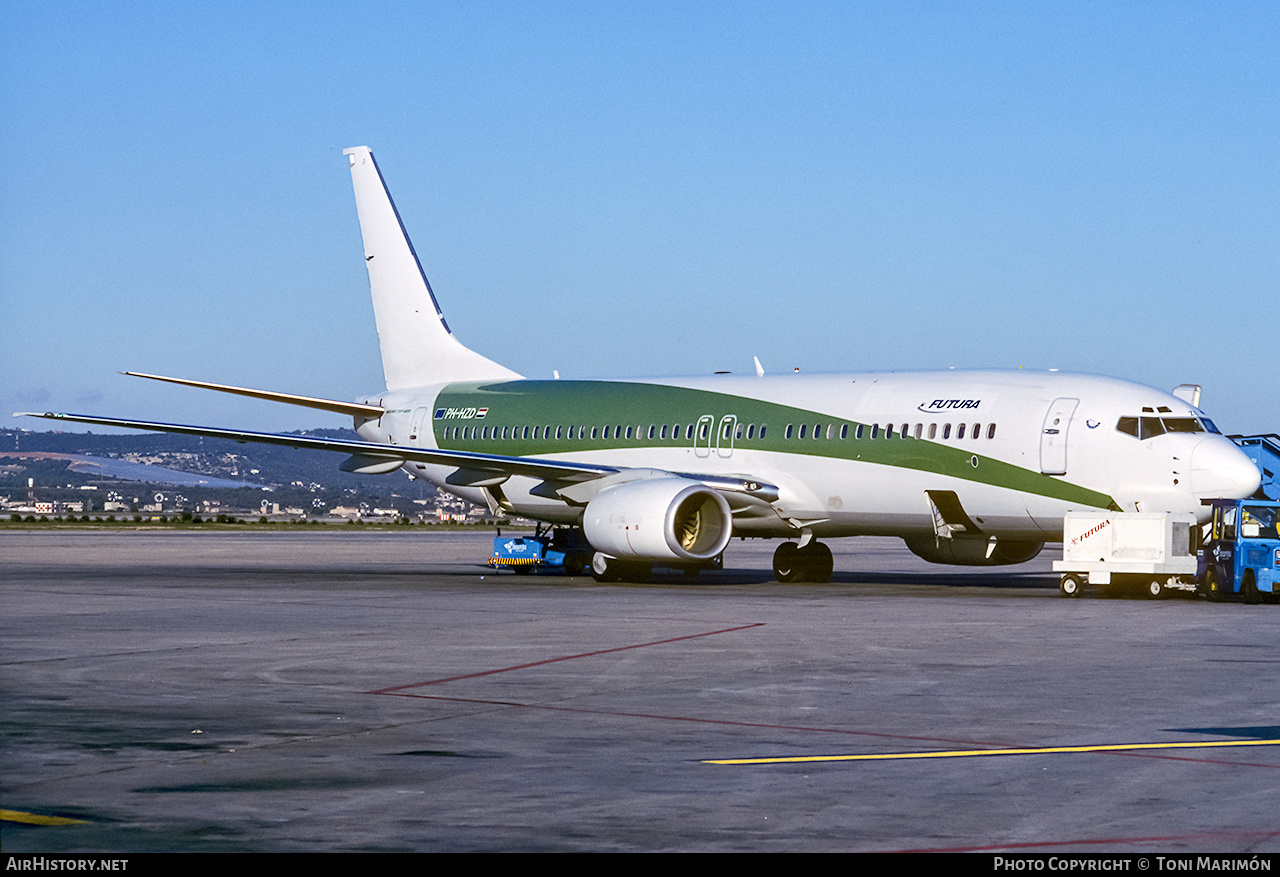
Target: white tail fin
{"type": "Point", "coordinates": [417, 346]}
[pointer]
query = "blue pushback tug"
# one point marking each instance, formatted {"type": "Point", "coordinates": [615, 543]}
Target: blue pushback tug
{"type": "Point", "coordinates": [1241, 554]}
{"type": "Point", "coordinates": [557, 549]}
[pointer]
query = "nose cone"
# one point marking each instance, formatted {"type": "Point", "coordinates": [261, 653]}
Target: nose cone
{"type": "Point", "coordinates": [1219, 469]}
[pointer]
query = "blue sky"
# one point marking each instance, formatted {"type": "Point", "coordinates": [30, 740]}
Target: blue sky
{"type": "Point", "coordinates": [613, 189]}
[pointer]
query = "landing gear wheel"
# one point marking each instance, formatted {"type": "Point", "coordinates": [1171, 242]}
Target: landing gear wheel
{"type": "Point", "coordinates": [1071, 586]}
{"type": "Point", "coordinates": [817, 561]}
{"type": "Point", "coordinates": [787, 563]}
{"type": "Point", "coordinates": [575, 564]}
{"type": "Point", "coordinates": [1155, 589]}
{"type": "Point", "coordinates": [604, 568]}
{"type": "Point", "coordinates": [610, 569]}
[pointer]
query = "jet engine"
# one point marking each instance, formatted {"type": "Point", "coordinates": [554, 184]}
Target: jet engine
{"type": "Point", "coordinates": [658, 519]}
{"type": "Point", "coordinates": [972, 552]}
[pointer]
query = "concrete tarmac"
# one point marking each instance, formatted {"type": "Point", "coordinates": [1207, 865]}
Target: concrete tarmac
{"type": "Point", "coordinates": [351, 690]}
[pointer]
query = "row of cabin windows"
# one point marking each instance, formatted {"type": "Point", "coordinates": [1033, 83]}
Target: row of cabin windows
{"type": "Point", "coordinates": [663, 432]}
{"type": "Point", "coordinates": [537, 433]}
{"type": "Point", "coordinates": [905, 430]}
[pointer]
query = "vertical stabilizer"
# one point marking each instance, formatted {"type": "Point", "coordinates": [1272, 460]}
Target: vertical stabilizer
{"type": "Point", "coordinates": [417, 346]}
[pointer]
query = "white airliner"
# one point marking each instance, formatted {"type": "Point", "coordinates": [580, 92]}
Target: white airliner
{"type": "Point", "coordinates": [968, 467]}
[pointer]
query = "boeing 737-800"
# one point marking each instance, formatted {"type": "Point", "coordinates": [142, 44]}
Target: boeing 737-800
{"type": "Point", "coordinates": [968, 467]}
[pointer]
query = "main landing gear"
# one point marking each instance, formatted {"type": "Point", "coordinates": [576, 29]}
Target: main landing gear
{"type": "Point", "coordinates": [808, 563]}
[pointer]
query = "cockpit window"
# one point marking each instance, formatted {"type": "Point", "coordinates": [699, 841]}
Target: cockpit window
{"type": "Point", "coordinates": [1149, 427]}
{"type": "Point", "coordinates": [1182, 424]}
{"type": "Point", "coordinates": [1146, 427]}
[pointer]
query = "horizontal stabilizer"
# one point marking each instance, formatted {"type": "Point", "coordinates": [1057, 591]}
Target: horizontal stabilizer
{"type": "Point", "coordinates": [354, 409]}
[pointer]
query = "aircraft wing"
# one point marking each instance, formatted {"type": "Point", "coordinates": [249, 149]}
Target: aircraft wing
{"type": "Point", "coordinates": [472, 465]}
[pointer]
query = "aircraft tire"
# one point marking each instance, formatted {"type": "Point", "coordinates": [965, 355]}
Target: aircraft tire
{"type": "Point", "coordinates": [604, 568]}
{"type": "Point", "coordinates": [788, 565]}
{"type": "Point", "coordinates": [817, 561]}
{"type": "Point", "coordinates": [576, 564]}
{"type": "Point", "coordinates": [1071, 586]}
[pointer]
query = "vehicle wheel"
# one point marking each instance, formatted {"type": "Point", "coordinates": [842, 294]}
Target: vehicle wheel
{"type": "Point", "coordinates": [1212, 587]}
{"type": "Point", "coordinates": [1071, 586]}
{"type": "Point", "coordinates": [1249, 587]}
{"type": "Point", "coordinates": [817, 562]}
{"type": "Point", "coordinates": [787, 563]}
{"type": "Point", "coordinates": [1155, 589]}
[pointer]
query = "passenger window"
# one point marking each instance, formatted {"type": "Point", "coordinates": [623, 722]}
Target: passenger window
{"type": "Point", "coordinates": [844, 431]}
{"type": "Point", "coordinates": [991, 431]}
{"type": "Point", "coordinates": [803, 427]}
{"type": "Point", "coordinates": [977, 430]}
{"type": "Point", "coordinates": [787, 432]}
{"type": "Point", "coordinates": [763, 427]}
{"type": "Point", "coordinates": [888, 431]}
{"type": "Point", "coordinates": [875, 430]}
{"type": "Point", "coordinates": [960, 431]}
{"type": "Point", "coordinates": [946, 430]}
{"type": "Point", "coordinates": [919, 429]}
{"type": "Point", "coordinates": [663, 432]}
{"type": "Point", "coordinates": [857, 433]}
{"type": "Point", "coordinates": [751, 431]}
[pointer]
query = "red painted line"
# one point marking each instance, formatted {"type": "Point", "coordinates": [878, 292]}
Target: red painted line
{"type": "Point", "coordinates": [660, 642]}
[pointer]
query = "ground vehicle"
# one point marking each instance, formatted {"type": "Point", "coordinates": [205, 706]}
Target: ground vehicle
{"type": "Point", "coordinates": [1242, 552]}
{"type": "Point", "coordinates": [1150, 551]}
{"type": "Point", "coordinates": [557, 548]}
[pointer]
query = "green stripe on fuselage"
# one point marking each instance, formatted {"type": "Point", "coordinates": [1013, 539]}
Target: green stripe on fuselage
{"type": "Point", "coordinates": [596, 405]}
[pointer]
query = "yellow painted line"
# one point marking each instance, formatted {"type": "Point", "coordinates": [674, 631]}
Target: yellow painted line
{"type": "Point", "coordinates": [970, 753]}
{"type": "Point", "coordinates": [37, 819]}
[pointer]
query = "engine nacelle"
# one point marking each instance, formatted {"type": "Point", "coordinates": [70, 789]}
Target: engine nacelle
{"type": "Point", "coordinates": [658, 519]}
{"type": "Point", "coordinates": [972, 552]}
